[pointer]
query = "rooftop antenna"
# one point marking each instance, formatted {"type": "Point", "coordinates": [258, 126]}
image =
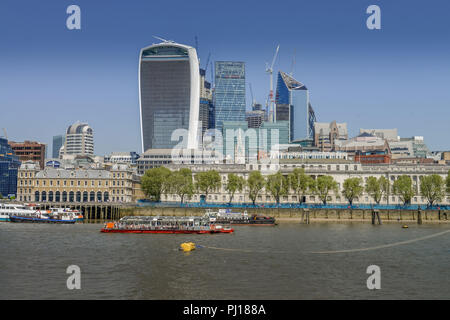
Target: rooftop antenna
{"type": "Point", "coordinates": [163, 40]}
{"type": "Point", "coordinates": [293, 64]}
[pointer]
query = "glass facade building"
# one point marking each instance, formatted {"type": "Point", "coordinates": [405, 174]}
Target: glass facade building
{"type": "Point", "coordinates": [169, 95]}
{"type": "Point", "coordinates": [9, 165]}
{"type": "Point", "coordinates": [292, 105]}
{"type": "Point", "coordinates": [253, 143]}
{"type": "Point", "coordinates": [58, 142]}
{"type": "Point", "coordinates": [229, 94]}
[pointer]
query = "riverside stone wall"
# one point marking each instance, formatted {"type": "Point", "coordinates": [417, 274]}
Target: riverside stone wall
{"type": "Point", "coordinates": [315, 214]}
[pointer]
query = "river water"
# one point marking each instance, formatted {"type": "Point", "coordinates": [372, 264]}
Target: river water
{"type": "Point", "coordinates": [253, 263]}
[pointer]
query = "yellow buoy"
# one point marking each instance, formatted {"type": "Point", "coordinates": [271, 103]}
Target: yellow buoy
{"type": "Point", "coordinates": [404, 226]}
{"type": "Point", "coordinates": [187, 246]}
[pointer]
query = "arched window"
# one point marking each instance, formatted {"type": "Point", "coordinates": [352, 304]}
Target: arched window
{"type": "Point", "coordinates": [36, 196]}
{"type": "Point", "coordinates": [99, 196]}
{"type": "Point", "coordinates": [106, 197]}
{"type": "Point", "coordinates": [50, 196]}
{"type": "Point", "coordinates": [71, 196]}
{"type": "Point", "coordinates": [44, 196]}
{"type": "Point", "coordinates": [64, 196]}
{"type": "Point", "coordinates": [57, 196]}
{"type": "Point", "coordinates": [92, 196]}
{"type": "Point", "coordinates": [78, 196]}
{"type": "Point", "coordinates": [85, 196]}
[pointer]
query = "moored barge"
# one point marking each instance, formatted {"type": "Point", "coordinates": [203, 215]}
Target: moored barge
{"type": "Point", "coordinates": [165, 224]}
{"type": "Point", "coordinates": [225, 216]}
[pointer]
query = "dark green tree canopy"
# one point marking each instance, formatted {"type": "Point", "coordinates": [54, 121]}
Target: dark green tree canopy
{"type": "Point", "coordinates": [255, 183]}
{"type": "Point", "coordinates": [154, 182]}
{"type": "Point", "coordinates": [300, 183]}
{"type": "Point", "coordinates": [432, 188]}
{"type": "Point", "coordinates": [403, 187]}
{"type": "Point", "coordinates": [181, 183]}
{"type": "Point", "coordinates": [352, 188]}
{"type": "Point", "coordinates": [322, 187]}
{"type": "Point", "coordinates": [235, 183]}
{"type": "Point", "coordinates": [207, 182]}
{"type": "Point", "coordinates": [277, 185]}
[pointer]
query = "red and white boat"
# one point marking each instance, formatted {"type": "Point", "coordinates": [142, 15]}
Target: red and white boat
{"type": "Point", "coordinates": [164, 224]}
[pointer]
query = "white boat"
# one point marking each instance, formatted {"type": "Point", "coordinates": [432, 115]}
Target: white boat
{"type": "Point", "coordinates": [7, 210]}
{"type": "Point", "coordinates": [73, 214]}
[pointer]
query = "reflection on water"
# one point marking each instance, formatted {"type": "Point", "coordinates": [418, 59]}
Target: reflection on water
{"type": "Point", "coordinates": [269, 263]}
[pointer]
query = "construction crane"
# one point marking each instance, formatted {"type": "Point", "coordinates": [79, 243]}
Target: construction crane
{"type": "Point", "coordinates": [269, 70]}
{"type": "Point", "coordinates": [207, 62]}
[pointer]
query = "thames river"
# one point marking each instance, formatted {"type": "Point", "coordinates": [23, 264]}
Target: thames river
{"type": "Point", "coordinates": [288, 261]}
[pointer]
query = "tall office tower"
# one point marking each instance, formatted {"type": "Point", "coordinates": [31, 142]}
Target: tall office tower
{"type": "Point", "coordinates": [292, 104]}
{"type": "Point", "coordinates": [229, 92]}
{"type": "Point", "coordinates": [79, 140]}
{"type": "Point", "coordinates": [205, 102]}
{"type": "Point", "coordinates": [169, 95]}
{"type": "Point", "coordinates": [9, 165]}
{"type": "Point", "coordinates": [58, 142]}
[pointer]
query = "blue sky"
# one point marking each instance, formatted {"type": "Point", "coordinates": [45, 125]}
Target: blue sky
{"type": "Point", "coordinates": [396, 77]}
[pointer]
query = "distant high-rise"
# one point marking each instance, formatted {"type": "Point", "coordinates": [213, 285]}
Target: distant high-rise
{"type": "Point", "coordinates": [255, 118]}
{"type": "Point", "coordinates": [229, 94]}
{"type": "Point", "coordinates": [205, 102]}
{"type": "Point", "coordinates": [29, 150]}
{"type": "Point", "coordinates": [9, 165]}
{"type": "Point", "coordinates": [292, 104]}
{"type": "Point", "coordinates": [79, 140]}
{"type": "Point", "coordinates": [58, 142]}
{"type": "Point", "coordinates": [169, 94]}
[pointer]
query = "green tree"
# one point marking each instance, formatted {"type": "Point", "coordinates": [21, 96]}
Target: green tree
{"type": "Point", "coordinates": [377, 188]}
{"type": "Point", "coordinates": [447, 182]}
{"type": "Point", "coordinates": [300, 183]}
{"type": "Point", "coordinates": [277, 185]}
{"type": "Point", "coordinates": [181, 183]}
{"type": "Point", "coordinates": [255, 183]}
{"type": "Point", "coordinates": [385, 186]}
{"type": "Point", "coordinates": [403, 187]}
{"type": "Point", "coordinates": [235, 183]}
{"type": "Point", "coordinates": [207, 182]}
{"type": "Point", "coordinates": [373, 188]}
{"type": "Point", "coordinates": [432, 188]}
{"type": "Point", "coordinates": [154, 182]}
{"type": "Point", "coordinates": [352, 188]}
{"type": "Point", "coordinates": [322, 187]}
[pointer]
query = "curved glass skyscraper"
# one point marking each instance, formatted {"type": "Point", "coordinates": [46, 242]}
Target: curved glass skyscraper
{"type": "Point", "coordinates": [169, 95]}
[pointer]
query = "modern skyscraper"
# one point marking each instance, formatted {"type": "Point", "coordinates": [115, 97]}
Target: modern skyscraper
{"type": "Point", "coordinates": [205, 102]}
{"type": "Point", "coordinates": [229, 94]}
{"type": "Point", "coordinates": [169, 94]}
{"type": "Point", "coordinates": [292, 104]}
{"type": "Point", "coordinates": [58, 142]}
{"type": "Point", "coordinates": [79, 140]}
{"type": "Point", "coordinates": [9, 165]}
